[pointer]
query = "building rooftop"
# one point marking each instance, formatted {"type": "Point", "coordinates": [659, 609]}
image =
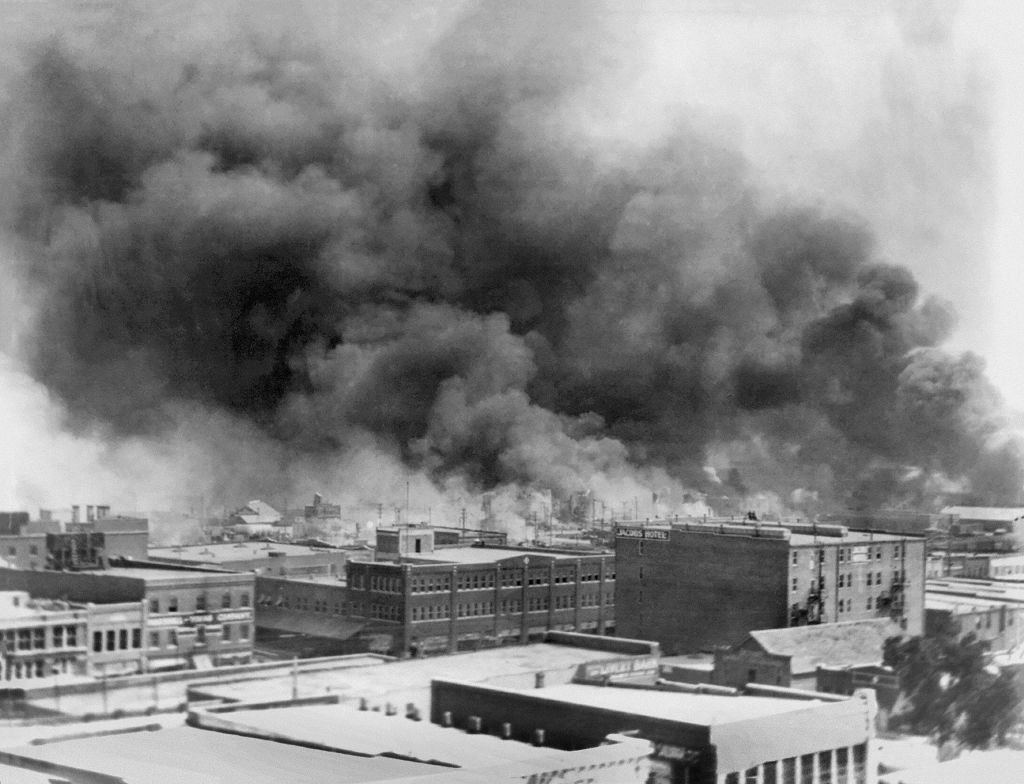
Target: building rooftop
{"type": "Point", "coordinates": [994, 514]}
{"type": "Point", "coordinates": [961, 604]}
{"type": "Point", "coordinates": [195, 755]}
{"type": "Point", "coordinates": [1002, 766]}
{"type": "Point", "coordinates": [849, 538]}
{"type": "Point", "coordinates": [483, 555]}
{"type": "Point", "coordinates": [343, 728]}
{"type": "Point", "coordinates": [153, 574]}
{"type": "Point", "coordinates": [996, 590]}
{"type": "Point", "coordinates": [406, 681]}
{"type": "Point", "coordinates": [844, 644]}
{"type": "Point", "coordinates": [237, 551]}
{"type": "Point", "coordinates": [705, 710]}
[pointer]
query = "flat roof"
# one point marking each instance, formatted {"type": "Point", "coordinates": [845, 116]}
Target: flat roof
{"type": "Point", "coordinates": [153, 574]}
{"type": "Point", "coordinates": [236, 551]}
{"type": "Point", "coordinates": [405, 681]}
{"type": "Point", "coordinates": [849, 538]}
{"type": "Point", "coordinates": [478, 555]}
{"type": "Point", "coordinates": [934, 601]}
{"type": "Point", "coordinates": [705, 710]}
{"type": "Point", "coordinates": [186, 753]}
{"type": "Point", "coordinates": [345, 728]}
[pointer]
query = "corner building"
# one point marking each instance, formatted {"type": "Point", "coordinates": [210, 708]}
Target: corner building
{"type": "Point", "coordinates": [703, 585]}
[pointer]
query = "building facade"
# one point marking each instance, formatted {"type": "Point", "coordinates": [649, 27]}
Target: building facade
{"type": "Point", "coordinates": [158, 618]}
{"type": "Point", "coordinates": [758, 737]}
{"type": "Point", "coordinates": [422, 601]}
{"type": "Point", "coordinates": [698, 586]}
{"type": "Point", "coordinates": [40, 639]}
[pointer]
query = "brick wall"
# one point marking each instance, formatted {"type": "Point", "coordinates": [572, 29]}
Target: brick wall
{"type": "Point", "coordinates": [694, 591]}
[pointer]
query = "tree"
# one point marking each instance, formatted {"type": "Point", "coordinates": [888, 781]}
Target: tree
{"type": "Point", "coordinates": [949, 691]}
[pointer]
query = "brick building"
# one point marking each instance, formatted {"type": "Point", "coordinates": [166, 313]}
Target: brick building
{"type": "Point", "coordinates": [153, 618]}
{"type": "Point", "coordinates": [991, 610]}
{"type": "Point", "coordinates": [419, 600]}
{"type": "Point", "coordinates": [50, 544]}
{"type": "Point", "coordinates": [697, 586]}
{"type": "Point", "coordinates": [40, 639]}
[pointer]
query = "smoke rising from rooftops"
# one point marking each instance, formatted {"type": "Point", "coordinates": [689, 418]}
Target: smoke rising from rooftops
{"type": "Point", "coordinates": [344, 247]}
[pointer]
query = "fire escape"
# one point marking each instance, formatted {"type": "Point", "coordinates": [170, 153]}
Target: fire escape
{"type": "Point", "coordinates": [813, 612]}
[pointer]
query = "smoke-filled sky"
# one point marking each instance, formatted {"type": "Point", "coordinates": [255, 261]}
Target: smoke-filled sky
{"type": "Point", "coordinates": [642, 250]}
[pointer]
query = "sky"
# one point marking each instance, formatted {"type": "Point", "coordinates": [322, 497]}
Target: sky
{"type": "Point", "coordinates": [904, 117]}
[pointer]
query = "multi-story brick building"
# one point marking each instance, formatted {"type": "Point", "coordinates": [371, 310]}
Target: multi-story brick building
{"type": "Point", "coordinates": [153, 618]}
{"type": "Point", "coordinates": [697, 586]}
{"type": "Point", "coordinates": [40, 639]}
{"type": "Point", "coordinates": [420, 600]}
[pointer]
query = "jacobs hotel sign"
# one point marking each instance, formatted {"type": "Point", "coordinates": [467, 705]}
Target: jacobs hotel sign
{"type": "Point", "coordinates": [642, 533]}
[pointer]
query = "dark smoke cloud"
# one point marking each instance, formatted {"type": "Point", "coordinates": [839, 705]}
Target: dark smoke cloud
{"type": "Point", "coordinates": [286, 237]}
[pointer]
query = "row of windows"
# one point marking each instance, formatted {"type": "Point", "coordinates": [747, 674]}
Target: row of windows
{"type": "Point", "coordinates": [847, 580]}
{"type": "Point", "coordinates": [786, 771]}
{"type": "Point", "coordinates": [845, 554]}
{"type": "Point", "coordinates": [507, 606]}
{"type": "Point", "coordinates": [229, 632]}
{"type": "Point", "coordinates": [32, 550]}
{"type": "Point", "coordinates": [34, 639]}
{"type": "Point", "coordinates": [115, 640]}
{"type": "Point", "coordinates": [201, 604]}
{"type": "Point", "coordinates": [509, 578]}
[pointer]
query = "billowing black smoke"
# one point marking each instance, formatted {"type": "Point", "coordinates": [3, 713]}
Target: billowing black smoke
{"type": "Point", "coordinates": [279, 233]}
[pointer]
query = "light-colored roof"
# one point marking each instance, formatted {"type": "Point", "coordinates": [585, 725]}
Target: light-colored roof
{"type": "Point", "coordinates": [406, 681]}
{"type": "Point", "coordinates": [237, 551]}
{"type": "Point", "coordinates": [345, 728]}
{"type": "Point", "coordinates": [991, 767]}
{"type": "Point", "coordinates": [258, 513]}
{"type": "Point", "coordinates": [845, 644]}
{"type": "Point", "coordinates": [996, 590]}
{"type": "Point", "coordinates": [203, 755]}
{"type": "Point", "coordinates": [483, 555]}
{"type": "Point", "coordinates": [996, 514]}
{"type": "Point", "coordinates": [850, 538]}
{"type": "Point", "coordinates": [155, 574]}
{"type": "Point", "coordinates": [960, 604]}
{"type": "Point", "coordinates": [704, 710]}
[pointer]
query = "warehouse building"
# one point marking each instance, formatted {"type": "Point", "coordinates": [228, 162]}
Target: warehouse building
{"type": "Point", "coordinates": [697, 586]}
{"type": "Point", "coordinates": [761, 735]}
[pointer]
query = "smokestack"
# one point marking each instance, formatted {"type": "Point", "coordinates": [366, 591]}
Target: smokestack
{"type": "Point", "coordinates": [74, 513]}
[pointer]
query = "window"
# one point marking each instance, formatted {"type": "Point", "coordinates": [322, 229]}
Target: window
{"type": "Point", "coordinates": [71, 636]}
{"type": "Point", "coordinates": [227, 633]}
{"type": "Point", "coordinates": [796, 583]}
{"type": "Point", "coordinates": [244, 600]}
{"type": "Point", "coordinates": [869, 578]}
{"type": "Point", "coordinates": [97, 642]}
{"type": "Point", "coordinates": [58, 636]}
{"type": "Point", "coordinates": [136, 638]}
{"type": "Point", "coordinates": [39, 638]}
{"type": "Point", "coordinates": [33, 549]}
{"type": "Point", "coordinates": [243, 631]}
{"type": "Point", "coordinates": [870, 602]}
{"type": "Point", "coordinates": [154, 639]}
{"type": "Point", "coordinates": [12, 550]}
{"type": "Point", "coordinates": [172, 604]}
{"type": "Point", "coordinates": [111, 640]}
{"type": "Point", "coordinates": [200, 635]}
{"type": "Point", "coordinates": [225, 601]}
{"type": "Point", "coordinates": [123, 639]}
{"type": "Point", "coordinates": [201, 603]}
{"type": "Point", "coordinates": [154, 605]}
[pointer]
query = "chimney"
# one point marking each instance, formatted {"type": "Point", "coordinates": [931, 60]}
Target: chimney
{"type": "Point", "coordinates": [90, 513]}
{"type": "Point", "coordinates": [74, 514]}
